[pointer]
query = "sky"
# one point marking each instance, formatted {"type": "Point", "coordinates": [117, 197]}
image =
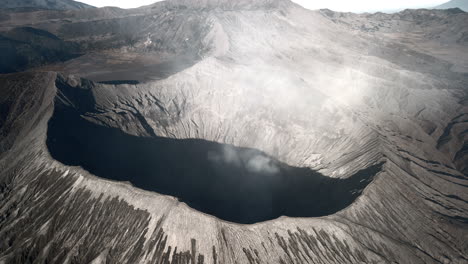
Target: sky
{"type": "Point", "coordinates": [336, 5]}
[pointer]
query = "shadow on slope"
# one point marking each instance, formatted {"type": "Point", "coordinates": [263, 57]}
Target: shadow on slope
{"type": "Point", "coordinates": [26, 47]}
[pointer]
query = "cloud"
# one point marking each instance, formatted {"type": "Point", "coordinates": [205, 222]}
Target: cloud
{"type": "Point", "coordinates": [250, 160]}
{"type": "Point", "coordinates": [261, 164]}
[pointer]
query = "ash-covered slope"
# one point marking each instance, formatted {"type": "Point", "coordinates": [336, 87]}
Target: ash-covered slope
{"type": "Point", "coordinates": [43, 4]}
{"type": "Point", "coordinates": [266, 76]}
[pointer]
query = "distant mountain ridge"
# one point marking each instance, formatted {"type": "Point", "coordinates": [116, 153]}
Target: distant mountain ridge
{"type": "Point", "coordinates": [43, 4]}
{"type": "Point", "coordinates": [226, 4]}
{"type": "Point", "coordinates": [462, 4]}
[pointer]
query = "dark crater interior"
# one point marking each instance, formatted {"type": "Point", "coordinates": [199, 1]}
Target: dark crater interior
{"type": "Point", "coordinates": [240, 185]}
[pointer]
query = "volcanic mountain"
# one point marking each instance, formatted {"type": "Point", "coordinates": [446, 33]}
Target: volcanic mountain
{"type": "Point", "coordinates": [462, 4]}
{"type": "Point", "coordinates": [243, 131]}
{"type": "Point", "coordinates": [43, 4]}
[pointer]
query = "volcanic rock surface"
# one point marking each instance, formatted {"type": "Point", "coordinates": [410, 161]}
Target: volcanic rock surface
{"type": "Point", "coordinates": [236, 132]}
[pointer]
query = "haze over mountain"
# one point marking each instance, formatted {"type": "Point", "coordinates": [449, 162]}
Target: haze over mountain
{"type": "Point", "coordinates": [462, 4]}
{"type": "Point", "coordinates": [216, 131]}
{"type": "Point", "coordinates": [367, 6]}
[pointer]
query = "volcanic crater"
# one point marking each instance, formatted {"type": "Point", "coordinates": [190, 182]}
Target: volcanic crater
{"type": "Point", "coordinates": [236, 184]}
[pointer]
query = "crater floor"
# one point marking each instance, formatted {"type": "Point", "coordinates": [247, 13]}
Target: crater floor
{"type": "Point", "coordinates": [240, 185]}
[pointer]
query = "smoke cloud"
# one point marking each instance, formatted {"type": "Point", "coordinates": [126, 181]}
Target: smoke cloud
{"type": "Point", "coordinates": [251, 160]}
